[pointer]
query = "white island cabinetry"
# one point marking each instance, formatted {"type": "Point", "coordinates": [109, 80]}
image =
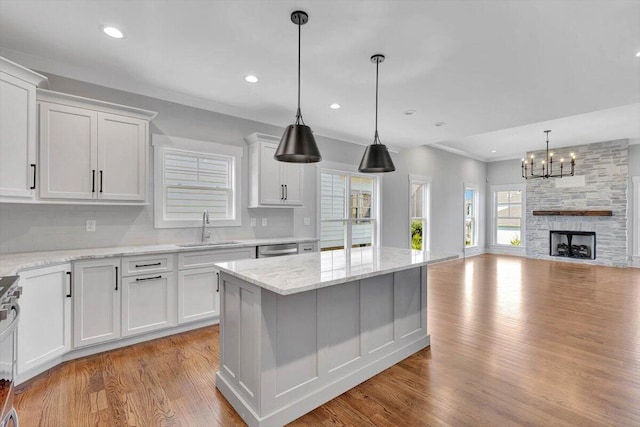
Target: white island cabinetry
{"type": "Point", "coordinates": [299, 330]}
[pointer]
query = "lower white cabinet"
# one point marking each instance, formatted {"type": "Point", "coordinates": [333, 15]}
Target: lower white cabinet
{"type": "Point", "coordinates": [198, 294]}
{"type": "Point", "coordinates": [44, 329]}
{"type": "Point", "coordinates": [96, 300]}
{"type": "Point", "coordinates": [148, 303]}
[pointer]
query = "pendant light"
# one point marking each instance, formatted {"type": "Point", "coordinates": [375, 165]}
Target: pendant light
{"type": "Point", "coordinates": [297, 144]}
{"type": "Point", "coordinates": [376, 157]}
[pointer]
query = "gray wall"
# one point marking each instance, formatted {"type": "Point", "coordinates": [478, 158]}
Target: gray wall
{"type": "Point", "coordinates": [51, 227]}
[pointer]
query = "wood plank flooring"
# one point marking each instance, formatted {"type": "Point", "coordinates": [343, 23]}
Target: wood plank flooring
{"type": "Point", "coordinates": [513, 342]}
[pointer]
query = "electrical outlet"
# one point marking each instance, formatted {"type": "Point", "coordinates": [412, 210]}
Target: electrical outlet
{"type": "Point", "coordinates": [254, 222]}
{"type": "Point", "coordinates": [307, 221]}
{"type": "Point", "coordinates": [91, 225]}
{"type": "Point", "coordinates": [264, 222]}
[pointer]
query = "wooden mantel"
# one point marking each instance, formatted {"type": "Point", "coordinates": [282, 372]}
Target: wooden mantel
{"type": "Point", "coordinates": [573, 213]}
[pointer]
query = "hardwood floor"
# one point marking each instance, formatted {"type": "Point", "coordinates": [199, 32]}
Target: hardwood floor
{"type": "Point", "coordinates": [513, 342]}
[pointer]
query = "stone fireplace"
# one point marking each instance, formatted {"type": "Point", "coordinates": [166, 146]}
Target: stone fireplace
{"type": "Point", "coordinates": [600, 183]}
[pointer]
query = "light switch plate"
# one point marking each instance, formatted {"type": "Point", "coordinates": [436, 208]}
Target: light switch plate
{"type": "Point", "coordinates": [254, 222]}
{"type": "Point", "coordinates": [307, 221]}
{"type": "Point", "coordinates": [91, 225]}
{"type": "Point", "coordinates": [264, 222]}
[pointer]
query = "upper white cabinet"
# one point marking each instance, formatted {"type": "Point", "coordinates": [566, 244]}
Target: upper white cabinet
{"type": "Point", "coordinates": [92, 150]}
{"type": "Point", "coordinates": [18, 165]}
{"type": "Point", "coordinates": [272, 183]}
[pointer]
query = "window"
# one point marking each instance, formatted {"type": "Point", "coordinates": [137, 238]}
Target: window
{"type": "Point", "coordinates": [348, 210]}
{"type": "Point", "coordinates": [194, 176]}
{"type": "Point", "coordinates": [508, 203]}
{"type": "Point", "coordinates": [418, 212]}
{"type": "Point", "coordinates": [470, 217]}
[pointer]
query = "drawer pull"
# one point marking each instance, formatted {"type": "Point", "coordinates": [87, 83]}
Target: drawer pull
{"type": "Point", "coordinates": [307, 249]}
{"type": "Point", "coordinates": [140, 279]}
{"type": "Point", "coordinates": [148, 265]}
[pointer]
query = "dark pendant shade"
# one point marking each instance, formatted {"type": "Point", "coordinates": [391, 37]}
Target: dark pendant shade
{"type": "Point", "coordinates": [298, 146]}
{"type": "Point", "coordinates": [376, 159]}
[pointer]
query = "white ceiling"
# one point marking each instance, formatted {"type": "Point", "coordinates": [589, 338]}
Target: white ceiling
{"type": "Point", "coordinates": [497, 72]}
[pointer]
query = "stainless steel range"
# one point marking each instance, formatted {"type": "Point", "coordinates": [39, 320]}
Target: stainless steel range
{"type": "Point", "coordinates": [9, 316]}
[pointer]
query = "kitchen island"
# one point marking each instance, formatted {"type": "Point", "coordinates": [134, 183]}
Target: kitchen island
{"type": "Point", "coordinates": [299, 330]}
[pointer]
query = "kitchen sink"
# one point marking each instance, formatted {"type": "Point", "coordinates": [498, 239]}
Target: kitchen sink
{"type": "Point", "coordinates": [216, 243]}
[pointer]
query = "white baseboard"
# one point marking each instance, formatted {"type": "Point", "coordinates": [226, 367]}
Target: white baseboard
{"type": "Point", "coordinates": [469, 252]}
{"type": "Point", "coordinates": [498, 250]}
{"type": "Point", "coordinates": [634, 261]}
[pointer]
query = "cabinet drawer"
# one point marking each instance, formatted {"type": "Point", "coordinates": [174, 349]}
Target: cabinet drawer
{"type": "Point", "coordinates": [306, 247]}
{"type": "Point", "coordinates": [208, 258]}
{"type": "Point", "coordinates": [146, 264]}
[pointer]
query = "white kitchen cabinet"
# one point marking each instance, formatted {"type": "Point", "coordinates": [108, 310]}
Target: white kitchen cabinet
{"type": "Point", "coordinates": [92, 150]}
{"type": "Point", "coordinates": [198, 286]}
{"type": "Point", "coordinates": [148, 303]}
{"type": "Point", "coordinates": [96, 301]}
{"type": "Point", "coordinates": [44, 329]}
{"type": "Point", "coordinates": [272, 183]}
{"type": "Point", "coordinates": [198, 294]}
{"type": "Point", "coordinates": [18, 125]}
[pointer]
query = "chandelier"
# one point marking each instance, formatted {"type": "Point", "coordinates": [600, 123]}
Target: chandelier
{"type": "Point", "coordinates": [547, 166]}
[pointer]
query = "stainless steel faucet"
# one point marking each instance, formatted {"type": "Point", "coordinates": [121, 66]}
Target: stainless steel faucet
{"type": "Point", "coordinates": [205, 220]}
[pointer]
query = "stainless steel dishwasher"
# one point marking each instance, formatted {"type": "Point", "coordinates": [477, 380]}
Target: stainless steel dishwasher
{"type": "Point", "coordinates": [277, 250]}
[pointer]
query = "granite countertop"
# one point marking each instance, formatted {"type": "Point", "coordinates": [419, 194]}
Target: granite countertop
{"type": "Point", "coordinates": [12, 263]}
{"type": "Point", "coordinates": [303, 272]}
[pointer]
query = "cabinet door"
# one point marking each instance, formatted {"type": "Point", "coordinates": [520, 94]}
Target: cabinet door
{"type": "Point", "coordinates": [148, 303]}
{"type": "Point", "coordinates": [17, 137]}
{"type": "Point", "coordinates": [68, 152]}
{"type": "Point", "coordinates": [44, 329]}
{"type": "Point", "coordinates": [271, 187]}
{"type": "Point", "coordinates": [122, 157]}
{"type": "Point", "coordinates": [198, 294]}
{"type": "Point", "coordinates": [292, 179]}
{"type": "Point", "coordinates": [96, 301]}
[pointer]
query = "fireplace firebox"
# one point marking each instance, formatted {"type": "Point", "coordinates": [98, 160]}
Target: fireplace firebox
{"type": "Point", "coordinates": [572, 244]}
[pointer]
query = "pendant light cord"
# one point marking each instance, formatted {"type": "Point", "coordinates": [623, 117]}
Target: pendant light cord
{"type": "Point", "coordinates": [299, 113]}
{"type": "Point", "coordinates": [376, 139]}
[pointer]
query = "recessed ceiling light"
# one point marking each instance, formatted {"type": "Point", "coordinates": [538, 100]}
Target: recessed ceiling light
{"type": "Point", "coordinates": [334, 106]}
{"type": "Point", "coordinates": [112, 31]}
{"type": "Point", "coordinates": [438, 124]}
{"type": "Point", "coordinates": [409, 112]}
{"type": "Point", "coordinates": [493, 151]}
{"type": "Point", "coordinates": [638, 54]}
{"type": "Point", "coordinates": [251, 78]}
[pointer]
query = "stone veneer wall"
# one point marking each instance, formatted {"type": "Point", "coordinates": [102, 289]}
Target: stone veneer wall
{"type": "Point", "coordinates": [605, 168]}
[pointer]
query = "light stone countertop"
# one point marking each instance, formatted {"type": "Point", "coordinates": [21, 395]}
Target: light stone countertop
{"type": "Point", "coordinates": [12, 263]}
{"type": "Point", "coordinates": [304, 272]}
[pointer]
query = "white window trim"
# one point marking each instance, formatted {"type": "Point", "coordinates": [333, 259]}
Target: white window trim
{"type": "Point", "coordinates": [426, 237]}
{"type": "Point", "coordinates": [476, 232]}
{"type": "Point", "coordinates": [342, 168]}
{"type": "Point", "coordinates": [160, 142]}
{"type": "Point", "coordinates": [636, 217]}
{"type": "Point", "coordinates": [497, 248]}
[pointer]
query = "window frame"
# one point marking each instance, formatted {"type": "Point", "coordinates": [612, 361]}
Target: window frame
{"type": "Point", "coordinates": [426, 210]}
{"type": "Point", "coordinates": [376, 211]}
{"type": "Point", "coordinates": [476, 216]}
{"type": "Point", "coordinates": [494, 217]}
{"type": "Point", "coordinates": [162, 143]}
